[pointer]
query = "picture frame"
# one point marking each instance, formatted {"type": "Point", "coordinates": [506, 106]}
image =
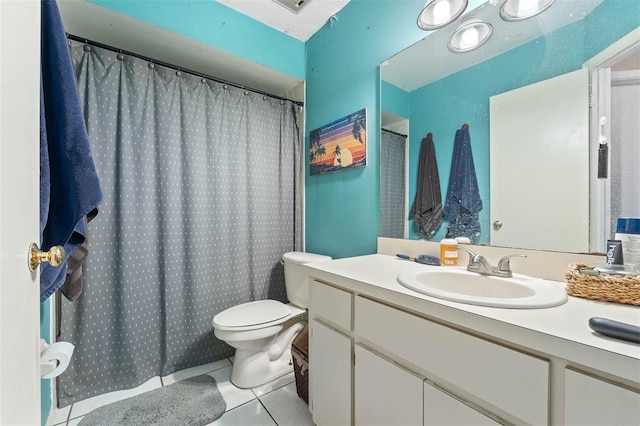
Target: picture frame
{"type": "Point", "coordinates": [339, 145]}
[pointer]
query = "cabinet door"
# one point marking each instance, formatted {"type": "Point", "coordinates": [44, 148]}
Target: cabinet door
{"type": "Point", "coordinates": [329, 376]}
{"type": "Point", "coordinates": [385, 394]}
{"type": "Point", "coordinates": [441, 409]}
{"type": "Point", "coordinates": [499, 378]}
{"type": "Point", "coordinates": [591, 401]}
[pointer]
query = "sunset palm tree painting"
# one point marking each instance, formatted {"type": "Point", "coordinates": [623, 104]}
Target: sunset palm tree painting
{"type": "Point", "coordinates": [339, 145]}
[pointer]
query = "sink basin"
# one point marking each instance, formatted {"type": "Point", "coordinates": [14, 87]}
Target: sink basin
{"type": "Point", "coordinates": [460, 285]}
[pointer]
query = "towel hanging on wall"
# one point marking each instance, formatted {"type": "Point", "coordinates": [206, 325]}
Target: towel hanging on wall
{"type": "Point", "coordinates": [427, 205]}
{"type": "Point", "coordinates": [463, 197]}
{"type": "Point", "coordinates": [69, 185]}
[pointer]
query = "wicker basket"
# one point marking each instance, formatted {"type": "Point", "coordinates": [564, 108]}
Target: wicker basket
{"type": "Point", "coordinates": [300, 354]}
{"type": "Point", "coordinates": [603, 287]}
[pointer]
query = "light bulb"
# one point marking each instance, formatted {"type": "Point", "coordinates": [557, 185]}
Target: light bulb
{"type": "Point", "coordinates": [469, 38]}
{"type": "Point", "coordinates": [441, 12]}
{"type": "Point", "coordinates": [438, 13]}
{"type": "Point", "coordinates": [525, 7]}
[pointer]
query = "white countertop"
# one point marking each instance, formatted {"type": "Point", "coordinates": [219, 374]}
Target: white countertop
{"type": "Point", "coordinates": [561, 331]}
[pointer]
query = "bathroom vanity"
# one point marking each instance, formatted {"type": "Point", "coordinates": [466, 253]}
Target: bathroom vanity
{"type": "Point", "coordinates": [383, 354]}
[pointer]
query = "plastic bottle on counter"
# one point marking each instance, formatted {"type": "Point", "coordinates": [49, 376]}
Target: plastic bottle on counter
{"type": "Point", "coordinates": [628, 232]}
{"type": "Point", "coordinates": [448, 252]}
{"type": "Point", "coordinates": [463, 240]}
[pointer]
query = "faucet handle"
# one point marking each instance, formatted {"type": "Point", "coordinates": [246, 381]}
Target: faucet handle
{"type": "Point", "coordinates": [472, 255]}
{"type": "Point", "coordinates": [504, 265]}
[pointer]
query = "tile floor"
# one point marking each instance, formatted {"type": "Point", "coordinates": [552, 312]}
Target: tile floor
{"type": "Point", "coordinates": [275, 404]}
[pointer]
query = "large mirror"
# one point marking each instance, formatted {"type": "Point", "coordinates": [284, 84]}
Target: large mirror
{"type": "Point", "coordinates": [427, 89]}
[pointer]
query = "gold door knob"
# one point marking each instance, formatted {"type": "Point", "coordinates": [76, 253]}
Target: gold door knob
{"type": "Point", "coordinates": [55, 256]}
{"type": "Point", "coordinates": [497, 225]}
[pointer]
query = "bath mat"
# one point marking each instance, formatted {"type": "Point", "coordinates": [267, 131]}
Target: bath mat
{"type": "Point", "coordinates": [195, 401]}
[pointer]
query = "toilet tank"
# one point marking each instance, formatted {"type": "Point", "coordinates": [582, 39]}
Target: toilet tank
{"type": "Point", "coordinates": [295, 278]}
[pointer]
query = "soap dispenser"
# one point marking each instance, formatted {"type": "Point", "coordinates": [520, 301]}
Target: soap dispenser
{"type": "Point", "coordinates": [449, 252]}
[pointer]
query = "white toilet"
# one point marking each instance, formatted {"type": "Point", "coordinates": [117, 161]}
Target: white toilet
{"type": "Point", "coordinates": [262, 330]}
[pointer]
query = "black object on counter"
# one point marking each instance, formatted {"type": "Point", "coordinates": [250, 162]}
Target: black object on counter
{"type": "Point", "coordinates": [615, 329]}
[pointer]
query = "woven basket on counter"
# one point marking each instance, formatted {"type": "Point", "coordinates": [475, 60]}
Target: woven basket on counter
{"type": "Point", "coordinates": [603, 287]}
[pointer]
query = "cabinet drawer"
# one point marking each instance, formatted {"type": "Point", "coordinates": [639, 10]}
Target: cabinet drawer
{"type": "Point", "coordinates": [591, 401]}
{"type": "Point", "coordinates": [504, 378]}
{"type": "Point", "coordinates": [330, 303]}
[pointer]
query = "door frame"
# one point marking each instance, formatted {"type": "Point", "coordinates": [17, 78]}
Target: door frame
{"type": "Point", "coordinates": [600, 74]}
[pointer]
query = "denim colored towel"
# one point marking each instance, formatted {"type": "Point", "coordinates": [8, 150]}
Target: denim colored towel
{"type": "Point", "coordinates": [427, 205]}
{"type": "Point", "coordinates": [69, 185]}
{"type": "Point", "coordinates": [463, 197]}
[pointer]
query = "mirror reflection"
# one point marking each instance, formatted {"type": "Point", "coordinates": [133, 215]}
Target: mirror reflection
{"type": "Point", "coordinates": [427, 89]}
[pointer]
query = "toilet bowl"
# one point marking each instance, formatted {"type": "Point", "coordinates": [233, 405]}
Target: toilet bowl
{"type": "Point", "coordinates": [262, 331]}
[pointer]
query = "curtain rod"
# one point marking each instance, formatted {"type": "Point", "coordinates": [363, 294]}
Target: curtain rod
{"type": "Point", "coordinates": [177, 68]}
{"type": "Point", "coordinates": [395, 133]}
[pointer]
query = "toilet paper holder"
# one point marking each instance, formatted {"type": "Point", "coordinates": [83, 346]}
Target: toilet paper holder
{"type": "Point", "coordinates": [47, 367]}
{"type": "Point", "coordinates": [55, 358]}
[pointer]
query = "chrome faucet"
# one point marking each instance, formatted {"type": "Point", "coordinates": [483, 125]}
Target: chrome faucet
{"type": "Point", "coordinates": [480, 265]}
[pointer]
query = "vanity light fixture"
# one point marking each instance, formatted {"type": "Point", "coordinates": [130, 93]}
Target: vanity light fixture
{"type": "Point", "coordinates": [470, 35]}
{"type": "Point", "coordinates": [439, 13]}
{"type": "Point", "coordinates": [294, 6]}
{"type": "Point", "coordinates": [518, 10]}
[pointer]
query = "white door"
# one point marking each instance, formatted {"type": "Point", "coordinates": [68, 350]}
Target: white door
{"type": "Point", "coordinates": [19, 211]}
{"type": "Point", "coordinates": [539, 156]}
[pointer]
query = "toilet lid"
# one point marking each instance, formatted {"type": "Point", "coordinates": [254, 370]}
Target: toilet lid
{"type": "Point", "coordinates": [252, 313]}
{"type": "Point", "coordinates": [300, 257]}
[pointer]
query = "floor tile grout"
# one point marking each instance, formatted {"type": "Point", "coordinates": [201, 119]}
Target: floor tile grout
{"type": "Point", "coordinates": [267, 410]}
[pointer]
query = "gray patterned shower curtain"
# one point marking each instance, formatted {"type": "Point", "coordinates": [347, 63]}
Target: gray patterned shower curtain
{"type": "Point", "coordinates": [393, 208]}
{"type": "Point", "coordinates": [202, 197]}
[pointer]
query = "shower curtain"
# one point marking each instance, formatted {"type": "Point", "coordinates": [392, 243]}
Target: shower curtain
{"type": "Point", "coordinates": [201, 186]}
{"type": "Point", "coordinates": [392, 184]}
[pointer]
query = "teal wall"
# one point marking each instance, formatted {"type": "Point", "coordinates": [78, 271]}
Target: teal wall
{"type": "Point", "coordinates": [343, 209]}
{"type": "Point", "coordinates": [212, 23]}
{"type": "Point", "coordinates": [395, 100]}
{"type": "Point", "coordinates": [46, 399]}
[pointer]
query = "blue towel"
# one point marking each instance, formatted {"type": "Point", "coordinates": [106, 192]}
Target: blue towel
{"type": "Point", "coordinates": [463, 197]}
{"type": "Point", "coordinates": [69, 185]}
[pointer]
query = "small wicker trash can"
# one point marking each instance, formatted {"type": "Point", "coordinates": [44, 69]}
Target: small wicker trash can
{"type": "Point", "coordinates": [300, 354]}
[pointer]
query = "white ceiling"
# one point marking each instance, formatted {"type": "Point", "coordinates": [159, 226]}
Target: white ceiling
{"type": "Point", "coordinates": [301, 25]}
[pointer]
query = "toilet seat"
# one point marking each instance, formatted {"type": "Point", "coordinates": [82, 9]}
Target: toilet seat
{"type": "Point", "coordinates": [252, 315]}
{"type": "Point", "coordinates": [262, 331]}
